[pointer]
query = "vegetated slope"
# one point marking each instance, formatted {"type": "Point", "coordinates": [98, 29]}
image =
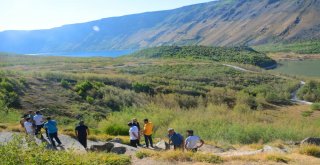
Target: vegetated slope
{"type": "Point", "coordinates": [301, 47]}
{"type": "Point", "coordinates": [243, 55]}
{"type": "Point", "coordinates": [231, 22]}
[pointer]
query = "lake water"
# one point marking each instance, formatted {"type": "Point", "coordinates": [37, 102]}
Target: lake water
{"type": "Point", "coordinates": [310, 68]}
{"type": "Point", "coordinates": [112, 53]}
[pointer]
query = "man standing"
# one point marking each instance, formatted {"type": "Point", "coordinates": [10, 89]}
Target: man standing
{"type": "Point", "coordinates": [147, 131]}
{"type": "Point", "coordinates": [176, 139]}
{"type": "Point", "coordinates": [137, 124]}
{"type": "Point", "coordinates": [51, 126]}
{"type": "Point", "coordinates": [82, 132]}
{"type": "Point", "coordinates": [38, 121]}
{"type": "Point", "coordinates": [192, 141]}
{"type": "Point", "coordinates": [134, 134]}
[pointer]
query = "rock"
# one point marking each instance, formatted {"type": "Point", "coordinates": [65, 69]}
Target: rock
{"type": "Point", "coordinates": [163, 145]}
{"type": "Point", "coordinates": [311, 140]}
{"type": "Point", "coordinates": [119, 150]}
{"type": "Point", "coordinates": [267, 148]}
{"type": "Point", "coordinates": [212, 149]}
{"type": "Point", "coordinates": [116, 140]}
{"type": "Point", "coordinates": [105, 147]}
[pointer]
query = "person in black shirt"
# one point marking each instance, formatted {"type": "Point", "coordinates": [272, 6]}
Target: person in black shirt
{"type": "Point", "coordinates": [82, 132]}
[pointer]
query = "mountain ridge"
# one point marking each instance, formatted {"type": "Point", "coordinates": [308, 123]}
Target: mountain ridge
{"type": "Point", "coordinates": [216, 23]}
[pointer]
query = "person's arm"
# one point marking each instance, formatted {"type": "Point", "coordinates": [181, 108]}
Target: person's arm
{"type": "Point", "coordinates": [202, 142]}
{"type": "Point", "coordinates": [88, 132]}
{"type": "Point", "coordinates": [185, 144]}
{"type": "Point", "coordinates": [135, 134]}
{"type": "Point", "coordinates": [76, 132]}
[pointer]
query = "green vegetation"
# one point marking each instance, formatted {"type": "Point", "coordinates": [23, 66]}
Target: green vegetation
{"type": "Point", "coordinates": [307, 68]}
{"type": "Point", "coordinates": [310, 91]}
{"type": "Point", "coordinates": [302, 47]}
{"type": "Point", "coordinates": [315, 106]}
{"type": "Point", "coordinates": [240, 55]}
{"type": "Point", "coordinates": [311, 150]}
{"type": "Point", "coordinates": [16, 153]}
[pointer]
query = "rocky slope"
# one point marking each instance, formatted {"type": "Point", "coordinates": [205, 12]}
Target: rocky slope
{"type": "Point", "coordinates": [225, 22]}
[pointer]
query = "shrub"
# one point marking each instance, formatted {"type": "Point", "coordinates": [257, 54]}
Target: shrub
{"type": "Point", "coordinates": [140, 87]}
{"type": "Point", "coordinates": [65, 84]}
{"type": "Point", "coordinates": [207, 158]}
{"type": "Point", "coordinates": [90, 99]}
{"type": "Point", "coordinates": [306, 113]}
{"type": "Point", "coordinates": [311, 150]}
{"type": "Point", "coordinates": [315, 106]}
{"type": "Point", "coordinates": [145, 153]}
{"type": "Point", "coordinates": [116, 129]}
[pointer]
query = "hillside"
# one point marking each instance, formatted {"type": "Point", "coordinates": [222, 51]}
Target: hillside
{"type": "Point", "coordinates": [231, 22]}
{"type": "Point", "coordinates": [238, 54]}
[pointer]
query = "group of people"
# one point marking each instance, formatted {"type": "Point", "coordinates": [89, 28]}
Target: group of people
{"type": "Point", "coordinates": [33, 123]}
{"type": "Point", "coordinates": [191, 143]}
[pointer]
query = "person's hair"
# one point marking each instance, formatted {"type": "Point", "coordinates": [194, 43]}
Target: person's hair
{"type": "Point", "coordinates": [190, 132]}
{"type": "Point", "coordinates": [130, 124]}
{"type": "Point", "coordinates": [30, 111]}
{"type": "Point", "coordinates": [28, 118]}
{"type": "Point", "coordinates": [170, 129]}
{"type": "Point", "coordinates": [81, 123]}
{"type": "Point", "coordinates": [25, 116]}
{"type": "Point", "coordinates": [38, 112]}
{"type": "Point", "coordinates": [146, 120]}
{"type": "Point", "coordinates": [48, 118]}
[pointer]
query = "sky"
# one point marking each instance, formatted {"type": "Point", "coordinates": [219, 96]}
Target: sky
{"type": "Point", "coordinates": [44, 14]}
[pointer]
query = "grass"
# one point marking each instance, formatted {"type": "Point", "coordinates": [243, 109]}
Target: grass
{"type": "Point", "coordinates": [315, 106]}
{"type": "Point", "coordinates": [261, 158]}
{"type": "Point", "coordinates": [179, 156]}
{"type": "Point", "coordinates": [16, 153]}
{"type": "Point", "coordinates": [311, 150]}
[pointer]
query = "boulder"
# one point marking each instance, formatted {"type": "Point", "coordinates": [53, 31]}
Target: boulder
{"type": "Point", "coordinates": [128, 149]}
{"type": "Point", "coordinates": [116, 140]}
{"type": "Point", "coordinates": [119, 150]}
{"type": "Point", "coordinates": [107, 147]}
{"type": "Point", "coordinates": [269, 149]}
{"type": "Point", "coordinates": [311, 140]}
{"type": "Point", "coordinates": [162, 145]}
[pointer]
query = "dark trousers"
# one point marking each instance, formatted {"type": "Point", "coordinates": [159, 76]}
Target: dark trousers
{"type": "Point", "coordinates": [55, 137]}
{"type": "Point", "coordinates": [83, 140]}
{"type": "Point", "coordinates": [148, 138]}
{"type": "Point", "coordinates": [134, 143]}
{"type": "Point", "coordinates": [38, 130]}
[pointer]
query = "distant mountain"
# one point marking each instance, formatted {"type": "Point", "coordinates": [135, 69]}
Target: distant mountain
{"type": "Point", "coordinates": [223, 23]}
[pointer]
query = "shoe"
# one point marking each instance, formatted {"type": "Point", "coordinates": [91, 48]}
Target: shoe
{"type": "Point", "coordinates": [59, 145]}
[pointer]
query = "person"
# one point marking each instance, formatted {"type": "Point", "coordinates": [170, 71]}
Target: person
{"type": "Point", "coordinates": [134, 134]}
{"type": "Point", "coordinates": [191, 143]}
{"type": "Point", "coordinates": [176, 139]}
{"type": "Point", "coordinates": [137, 124]}
{"type": "Point", "coordinates": [147, 131]}
{"type": "Point", "coordinates": [51, 126]}
{"type": "Point", "coordinates": [31, 115]}
{"type": "Point", "coordinates": [82, 131]}
{"type": "Point", "coordinates": [23, 119]}
{"type": "Point", "coordinates": [38, 121]}
{"type": "Point", "coordinates": [28, 126]}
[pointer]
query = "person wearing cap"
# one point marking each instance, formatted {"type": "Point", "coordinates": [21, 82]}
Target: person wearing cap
{"type": "Point", "coordinates": [82, 131]}
{"type": "Point", "coordinates": [176, 139]}
{"type": "Point", "coordinates": [191, 143]}
{"type": "Point", "coordinates": [137, 124]}
{"type": "Point", "coordinates": [147, 132]}
{"type": "Point", "coordinates": [134, 135]}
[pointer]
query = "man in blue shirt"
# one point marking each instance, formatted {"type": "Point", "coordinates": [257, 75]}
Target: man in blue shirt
{"type": "Point", "coordinates": [176, 139]}
{"type": "Point", "coordinates": [51, 126]}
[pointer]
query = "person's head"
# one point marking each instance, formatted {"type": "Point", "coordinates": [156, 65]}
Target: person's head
{"type": "Point", "coordinates": [38, 112]}
{"type": "Point", "coordinates": [28, 119]}
{"type": "Point", "coordinates": [170, 131]}
{"type": "Point", "coordinates": [130, 124]}
{"type": "Point", "coordinates": [134, 120]}
{"type": "Point", "coordinates": [24, 116]}
{"type": "Point", "coordinates": [48, 118]}
{"type": "Point", "coordinates": [30, 112]}
{"type": "Point", "coordinates": [146, 121]}
{"type": "Point", "coordinates": [81, 123]}
{"type": "Point", "coordinates": [190, 132]}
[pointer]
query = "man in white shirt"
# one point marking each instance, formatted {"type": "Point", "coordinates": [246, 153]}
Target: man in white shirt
{"type": "Point", "coordinates": [134, 134]}
{"type": "Point", "coordinates": [191, 143]}
{"type": "Point", "coordinates": [28, 126]}
{"type": "Point", "coordinates": [39, 122]}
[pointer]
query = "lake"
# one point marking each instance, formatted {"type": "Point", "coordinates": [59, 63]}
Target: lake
{"type": "Point", "coordinates": [310, 68]}
{"type": "Point", "coordinates": [111, 53]}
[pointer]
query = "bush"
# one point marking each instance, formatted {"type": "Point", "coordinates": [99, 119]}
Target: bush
{"type": "Point", "coordinates": [311, 150]}
{"type": "Point", "coordinates": [315, 106]}
{"type": "Point", "coordinates": [90, 99]}
{"type": "Point", "coordinates": [207, 158]}
{"type": "Point", "coordinates": [116, 129]}
{"type": "Point", "coordinates": [145, 153]}
{"type": "Point", "coordinates": [65, 84]}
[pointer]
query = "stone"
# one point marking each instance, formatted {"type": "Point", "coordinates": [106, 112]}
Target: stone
{"type": "Point", "coordinates": [268, 148]}
{"type": "Point", "coordinates": [162, 145]}
{"type": "Point", "coordinates": [107, 147]}
{"type": "Point", "coordinates": [119, 150]}
{"type": "Point", "coordinates": [116, 140]}
{"type": "Point", "coordinates": [311, 140]}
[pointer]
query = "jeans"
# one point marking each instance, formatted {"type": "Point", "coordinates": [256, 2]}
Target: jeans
{"type": "Point", "coordinates": [134, 143]}
{"type": "Point", "coordinates": [148, 138]}
{"type": "Point", "coordinates": [55, 137]}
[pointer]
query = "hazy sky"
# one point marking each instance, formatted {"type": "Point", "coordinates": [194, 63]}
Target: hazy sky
{"type": "Point", "coordinates": [39, 14]}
